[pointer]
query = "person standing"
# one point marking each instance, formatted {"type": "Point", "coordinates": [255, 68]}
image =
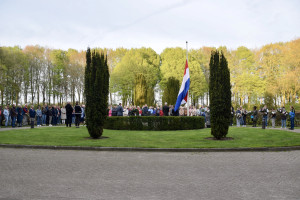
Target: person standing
{"type": "Point", "coordinates": [150, 111]}
{"type": "Point", "coordinates": [63, 115]}
{"type": "Point", "coordinates": [273, 117]}
{"type": "Point", "coordinates": [120, 110]}
{"type": "Point", "coordinates": [232, 115]}
{"type": "Point", "coordinates": [58, 115]}
{"type": "Point", "coordinates": [32, 114]}
{"type": "Point", "coordinates": [13, 115]}
{"type": "Point", "coordinates": [44, 112]}
{"type": "Point", "coordinates": [50, 110]}
{"type": "Point", "coordinates": [244, 115]}
{"type": "Point", "coordinates": [109, 111]}
{"type": "Point", "coordinates": [283, 115]}
{"type": "Point", "coordinates": [207, 116]}
{"type": "Point", "coordinates": [49, 116]}
{"type": "Point", "coordinates": [39, 116]}
{"type": "Point", "coordinates": [292, 117]}
{"type": "Point", "coordinates": [69, 111]}
{"type": "Point", "coordinates": [265, 112]}
{"type": "Point", "coordinates": [145, 110]}
{"type": "Point", "coordinates": [125, 111]}
{"type": "Point", "coordinates": [54, 116]}
{"type": "Point", "coordinates": [6, 115]}
{"type": "Point", "coordinates": [82, 114]}
{"type": "Point", "coordinates": [238, 117]}
{"type": "Point", "coordinates": [20, 113]}
{"type": "Point", "coordinates": [166, 109]}
{"type": "Point", "coordinates": [77, 114]}
{"type": "Point", "coordinates": [255, 117]}
{"type": "Point", "coordinates": [26, 114]}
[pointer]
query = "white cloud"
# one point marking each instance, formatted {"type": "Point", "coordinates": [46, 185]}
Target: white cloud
{"type": "Point", "coordinates": [156, 24]}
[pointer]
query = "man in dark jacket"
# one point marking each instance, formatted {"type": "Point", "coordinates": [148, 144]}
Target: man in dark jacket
{"type": "Point", "coordinates": [145, 110]}
{"type": "Point", "coordinates": [77, 114]}
{"type": "Point", "coordinates": [32, 115]}
{"type": "Point", "coordinates": [120, 110]}
{"type": "Point", "coordinates": [54, 116]}
{"type": "Point", "coordinates": [13, 115]}
{"type": "Point", "coordinates": [69, 111]}
{"type": "Point", "coordinates": [114, 111]}
{"type": "Point", "coordinates": [166, 109]}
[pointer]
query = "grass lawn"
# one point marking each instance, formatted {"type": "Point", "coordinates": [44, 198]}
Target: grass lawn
{"type": "Point", "coordinates": [63, 136]}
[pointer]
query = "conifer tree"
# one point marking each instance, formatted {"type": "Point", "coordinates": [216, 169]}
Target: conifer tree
{"type": "Point", "coordinates": [219, 95]}
{"type": "Point", "coordinates": [96, 92]}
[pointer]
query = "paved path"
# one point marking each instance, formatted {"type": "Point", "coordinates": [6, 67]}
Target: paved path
{"type": "Point", "coordinates": [65, 175]}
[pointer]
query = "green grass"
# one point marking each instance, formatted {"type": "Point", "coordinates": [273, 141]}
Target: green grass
{"type": "Point", "coordinates": [62, 136]}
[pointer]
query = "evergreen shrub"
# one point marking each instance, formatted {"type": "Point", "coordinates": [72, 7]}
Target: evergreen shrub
{"type": "Point", "coordinates": [154, 123]}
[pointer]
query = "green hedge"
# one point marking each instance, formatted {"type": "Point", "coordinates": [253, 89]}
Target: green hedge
{"type": "Point", "coordinates": [154, 123]}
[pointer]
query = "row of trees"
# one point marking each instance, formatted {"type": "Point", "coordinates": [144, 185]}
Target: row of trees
{"type": "Point", "coordinates": [37, 74]}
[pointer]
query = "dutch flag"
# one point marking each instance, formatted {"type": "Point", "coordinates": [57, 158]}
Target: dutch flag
{"type": "Point", "coordinates": [185, 86]}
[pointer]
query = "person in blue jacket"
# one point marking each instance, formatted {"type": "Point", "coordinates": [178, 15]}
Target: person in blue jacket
{"type": "Point", "coordinates": [292, 117]}
{"type": "Point", "coordinates": [120, 110]}
{"type": "Point", "coordinates": [32, 114]}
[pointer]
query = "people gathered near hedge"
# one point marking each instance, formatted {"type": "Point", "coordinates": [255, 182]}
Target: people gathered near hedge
{"type": "Point", "coordinates": [53, 115]}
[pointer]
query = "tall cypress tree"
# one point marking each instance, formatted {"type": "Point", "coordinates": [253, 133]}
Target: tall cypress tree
{"type": "Point", "coordinates": [96, 92]}
{"type": "Point", "coordinates": [219, 95]}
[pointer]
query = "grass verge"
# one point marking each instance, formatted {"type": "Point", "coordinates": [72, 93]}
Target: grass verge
{"type": "Point", "coordinates": [63, 136]}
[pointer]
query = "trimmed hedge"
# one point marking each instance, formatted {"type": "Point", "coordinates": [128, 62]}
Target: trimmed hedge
{"type": "Point", "coordinates": [154, 123]}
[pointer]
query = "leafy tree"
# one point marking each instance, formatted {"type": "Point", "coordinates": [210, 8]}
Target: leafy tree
{"type": "Point", "coordinates": [171, 91]}
{"type": "Point", "coordinates": [219, 95]}
{"type": "Point", "coordinates": [140, 90]}
{"type": "Point", "coordinates": [96, 92]}
{"type": "Point", "coordinates": [136, 61]}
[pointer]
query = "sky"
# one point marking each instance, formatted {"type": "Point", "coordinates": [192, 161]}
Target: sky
{"type": "Point", "coordinates": [157, 24]}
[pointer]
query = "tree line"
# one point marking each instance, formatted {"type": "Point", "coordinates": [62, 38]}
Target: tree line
{"type": "Point", "coordinates": [38, 74]}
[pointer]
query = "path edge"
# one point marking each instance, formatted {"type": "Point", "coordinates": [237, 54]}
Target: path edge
{"type": "Point", "coordinates": [133, 149]}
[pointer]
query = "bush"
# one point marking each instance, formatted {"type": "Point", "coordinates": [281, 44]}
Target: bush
{"type": "Point", "coordinates": [154, 123]}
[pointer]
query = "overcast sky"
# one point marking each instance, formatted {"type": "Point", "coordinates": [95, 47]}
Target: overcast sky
{"type": "Point", "coordinates": [154, 23]}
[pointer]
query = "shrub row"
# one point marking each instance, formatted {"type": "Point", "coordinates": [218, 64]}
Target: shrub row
{"type": "Point", "coordinates": [154, 123]}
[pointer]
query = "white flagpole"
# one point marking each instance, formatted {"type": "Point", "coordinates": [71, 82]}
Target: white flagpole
{"type": "Point", "coordinates": [187, 103]}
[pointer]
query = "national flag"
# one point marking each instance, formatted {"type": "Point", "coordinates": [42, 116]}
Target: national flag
{"type": "Point", "coordinates": [185, 86]}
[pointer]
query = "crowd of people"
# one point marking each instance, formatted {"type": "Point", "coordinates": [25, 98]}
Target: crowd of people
{"type": "Point", "coordinates": [43, 116]}
{"type": "Point", "coordinates": [241, 116]}
{"type": "Point", "coordinates": [68, 114]}
{"type": "Point", "coordinates": [145, 110]}
{"type": "Point", "coordinates": [166, 110]}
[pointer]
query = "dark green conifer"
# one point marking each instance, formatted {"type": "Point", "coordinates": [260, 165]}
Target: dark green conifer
{"type": "Point", "coordinates": [219, 95]}
{"type": "Point", "coordinates": [96, 92]}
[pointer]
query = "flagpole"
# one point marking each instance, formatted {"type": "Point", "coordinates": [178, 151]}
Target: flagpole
{"type": "Point", "coordinates": [187, 59]}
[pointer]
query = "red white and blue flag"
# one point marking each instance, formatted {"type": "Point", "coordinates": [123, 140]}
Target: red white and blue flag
{"type": "Point", "coordinates": [185, 86]}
